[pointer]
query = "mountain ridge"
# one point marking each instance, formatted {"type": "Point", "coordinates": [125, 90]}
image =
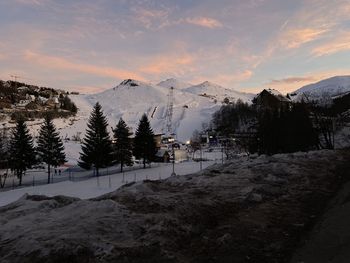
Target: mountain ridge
{"type": "Point", "coordinates": [330, 87]}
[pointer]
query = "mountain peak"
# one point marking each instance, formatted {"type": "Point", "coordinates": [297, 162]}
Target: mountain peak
{"type": "Point", "coordinates": [129, 82]}
{"type": "Point", "coordinates": [207, 83]}
{"type": "Point", "coordinates": [175, 83]}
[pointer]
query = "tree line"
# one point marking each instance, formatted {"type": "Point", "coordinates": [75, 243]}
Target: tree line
{"type": "Point", "coordinates": [19, 153]}
{"type": "Point", "coordinates": [295, 126]}
{"type": "Point", "coordinates": [98, 150]}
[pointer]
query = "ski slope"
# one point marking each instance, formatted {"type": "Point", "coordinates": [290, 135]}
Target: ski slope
{"type": "Point", "coordinates": [131, 99]}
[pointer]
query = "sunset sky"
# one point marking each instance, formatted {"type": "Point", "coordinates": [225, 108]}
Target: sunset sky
{"type": "Point", "coordinates": [248, 45]}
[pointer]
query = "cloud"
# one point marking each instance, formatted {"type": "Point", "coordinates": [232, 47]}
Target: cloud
{"type": "Point", "coordinates": [204, 22]}
{"type": "Point", "coordinates": [294, 38]}
{"type": "Point", "coordinates": [338, 44]}
{"type": "Point", "coordinates": [31, 2]}
{"type": "Point", "coordinates": [290, 80]}
{"type": "Point", "coordinates": [64, 64]}
{"type": "Point", "coordinates": [175, 64]}
{"type": "Point", "coordinates": [227, 79]}
{"type": "Point", "coordinates": [151, 18]}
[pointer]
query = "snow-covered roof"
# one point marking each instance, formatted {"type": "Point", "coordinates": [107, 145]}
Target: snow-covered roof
{"type": "Point", "coordinates": [278, 95]}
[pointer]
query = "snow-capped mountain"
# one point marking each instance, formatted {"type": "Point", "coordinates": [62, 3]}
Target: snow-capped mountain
{"type": "Point", "coordinates": [132, 98]}
{"type": "Point", "coordinates": [214, 91]}
{"type": "Point", "coordinates": [332, 87]}
{"type": "Point", "coordinates": [175, 83]}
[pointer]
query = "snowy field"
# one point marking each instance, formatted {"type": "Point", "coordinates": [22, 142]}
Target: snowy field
{"type": "Point", "coordinates": [94, 187]}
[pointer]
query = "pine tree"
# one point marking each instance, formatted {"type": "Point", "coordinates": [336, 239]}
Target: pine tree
{"type": "Point", "coordinates": [50, 146]}
{"type": "Point", "coordinates": [21, 151]}
{"type": "Point", "coordinates": [97, 149]}
{"type": "Point", "coordinates": [123, 146]}
{"type": "Point", "coordinates": [4, 156]}
{"type": "Point", "coordinates": [144, 144]}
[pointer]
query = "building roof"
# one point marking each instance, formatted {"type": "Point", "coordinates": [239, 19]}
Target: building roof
{"type": "Point", "coordinates": [278, 95]}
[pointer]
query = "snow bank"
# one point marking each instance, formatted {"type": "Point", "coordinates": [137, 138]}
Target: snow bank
{"type": "Point", "coordinates": [249, 209]}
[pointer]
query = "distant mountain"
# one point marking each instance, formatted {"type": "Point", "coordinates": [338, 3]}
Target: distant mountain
{"type": "Point", "coordinates": [218, 92]}
{"type": "Point", "coordinates": [332, 87]}
{"type": "Point", "coordinates": [174, 83]}
{"type": "Point", "coordinates": [132, 98]}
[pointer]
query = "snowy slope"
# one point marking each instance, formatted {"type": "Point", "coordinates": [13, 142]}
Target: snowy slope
{"type": "Point", "coordinates": [132, 98]}
{"type": "Point", "coordinates": [214, 91]}
{"type": "Point", "coordinates": [332, 87]}
{"type": "Point", "coordinates": [174, 83]}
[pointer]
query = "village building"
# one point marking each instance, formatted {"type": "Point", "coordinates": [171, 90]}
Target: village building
{"type": "Point", "coordinates": [271, 99]}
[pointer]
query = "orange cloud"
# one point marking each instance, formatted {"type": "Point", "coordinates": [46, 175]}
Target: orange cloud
{"type": "Point", "coordinates": [174, 64]}
{"type": "Point", "coordinates": [227, 79]}
{"type": "Point", "coordinates": [340, 43]}
{"type": "Point", "coordinates": [294, 38]}
{"type": "Point", "coordinates": [290, 80]}
{"type": "Point", "coordinates": [204, 22]}
{"type": "Point", "coordinates": [64, 64]}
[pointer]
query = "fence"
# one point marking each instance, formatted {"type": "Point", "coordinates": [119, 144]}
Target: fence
{"type": "Point", "coordinates": [75, 174]}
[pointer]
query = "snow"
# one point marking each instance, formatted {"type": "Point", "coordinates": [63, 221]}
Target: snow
{"type": "Point", "coordinates": [213, 209]}
{"type": "Point", "coordinates": [275, 92]}
{"type": "Point", "coordinates": [176, 84]}
{"type": "Point", "coordinates": [132, 98]}
{"type": "Point", "coordinates": [331, 87]}
{"type": "Point", "coordinates": [218, 92]}
{"type": "Point", "coordinates": [94, 187]}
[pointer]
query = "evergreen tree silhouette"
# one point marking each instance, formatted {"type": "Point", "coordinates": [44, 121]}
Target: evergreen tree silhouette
{"type": "Point", "coordinates": [50, 146]}
{"type": "Point", "coordinates": [97, 149]}
{"type": "Point", "coordinates": [144, 144]}
{"type": "Point", "coordinates": [21, 150]}
{"type": "Point", "coordinates": [123, 146]}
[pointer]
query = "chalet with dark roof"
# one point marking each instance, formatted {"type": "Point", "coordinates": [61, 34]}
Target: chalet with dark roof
{"type": "Point", "coordinates": [271, 99]}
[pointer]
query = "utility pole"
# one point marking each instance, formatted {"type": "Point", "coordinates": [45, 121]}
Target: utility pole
{"type": "Point", "coordinates": [15, 77]}
{"type": "Point", "coordinates": [200, 160]}
{"type": "Point", "coordinates": [173, 173]}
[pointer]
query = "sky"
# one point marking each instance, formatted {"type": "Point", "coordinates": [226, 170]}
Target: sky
{"type": "Point", "coordinates": [92, 45]}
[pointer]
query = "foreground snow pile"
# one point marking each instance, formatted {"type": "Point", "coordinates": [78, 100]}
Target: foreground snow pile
{"type": "Point", "coordinates": [249, 209]}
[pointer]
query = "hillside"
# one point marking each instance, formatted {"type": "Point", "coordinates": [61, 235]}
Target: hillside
{"type": "Point", "coordinates": [131, 98]}
{"type": "Point", "coordinates": [217, 92]}
{"type": "Point", "coordinates": [31, 101]}
{"type": "Point", "coordinates": [331, 87]}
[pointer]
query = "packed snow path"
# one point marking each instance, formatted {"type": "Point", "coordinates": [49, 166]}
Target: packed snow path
{"type": "Point", "coordinates": [97, 186]}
